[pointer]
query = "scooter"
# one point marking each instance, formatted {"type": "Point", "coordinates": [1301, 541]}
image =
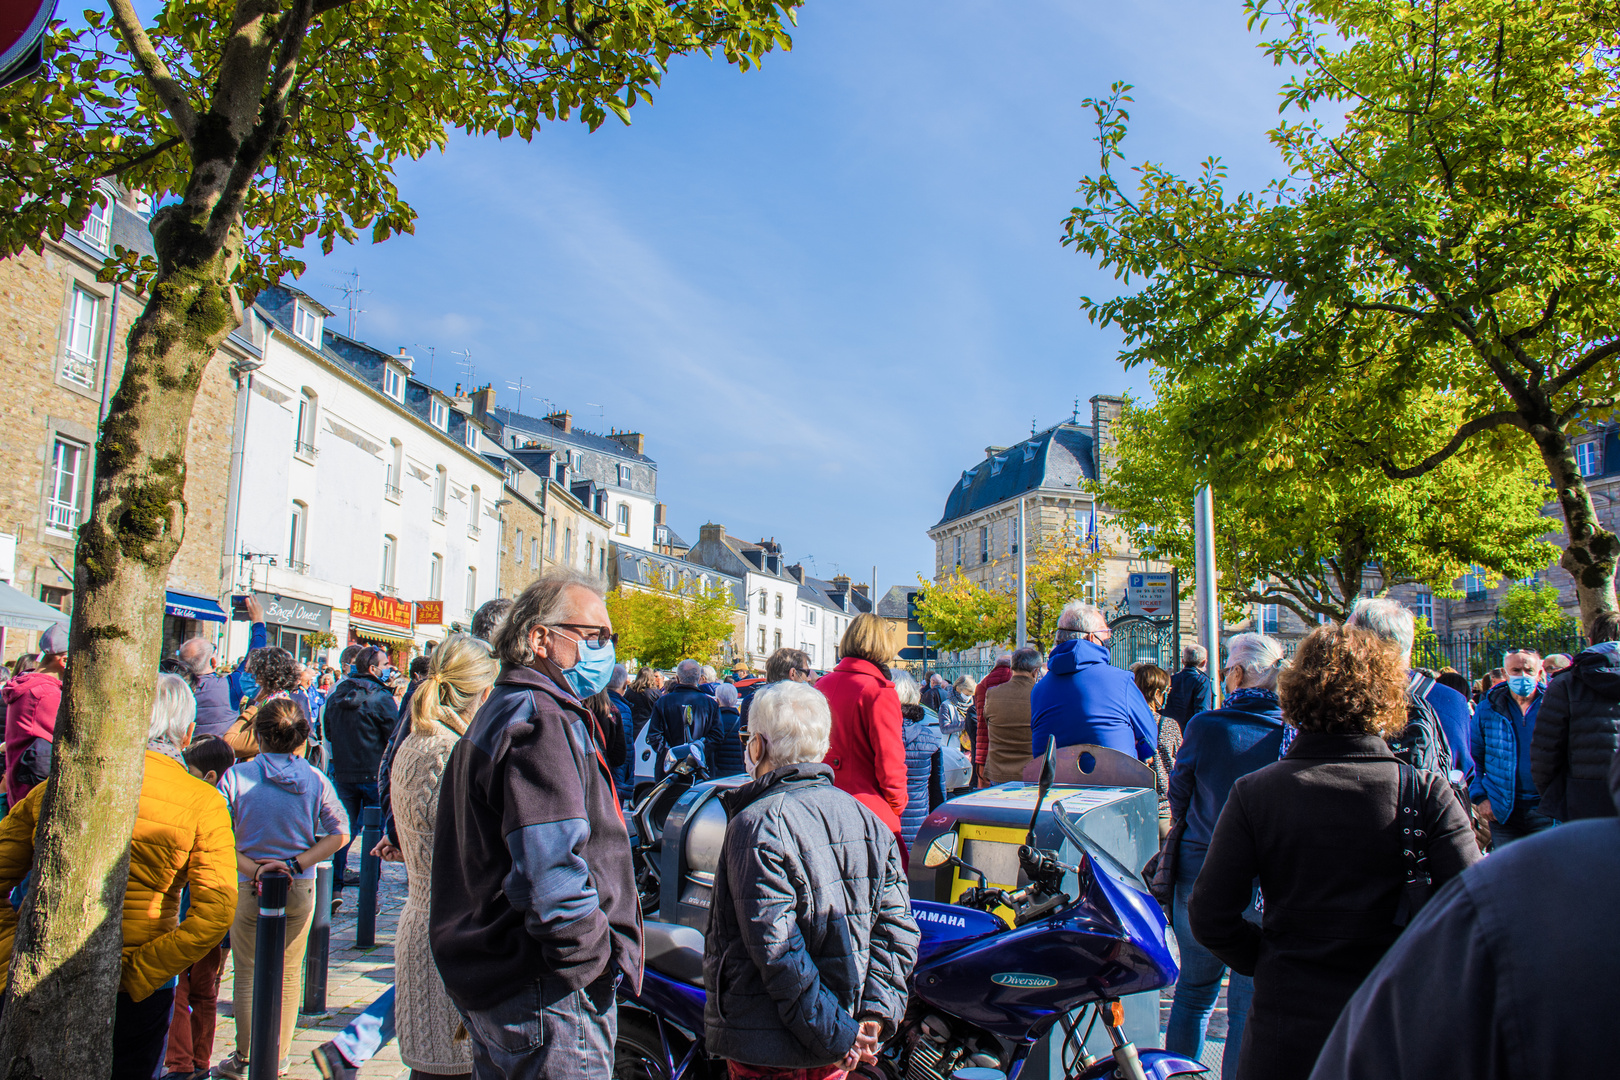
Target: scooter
{"type": "Point", "coordinates": [982, 993]}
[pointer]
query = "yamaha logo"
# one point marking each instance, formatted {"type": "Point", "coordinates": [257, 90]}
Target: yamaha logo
{"type": "Point", "coordinates": [942, 918]}
{"type": "Point", "coordinates": [1022, 980]}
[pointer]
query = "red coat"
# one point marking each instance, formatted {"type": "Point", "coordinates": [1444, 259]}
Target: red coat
{"type": "Point", "coordinates": [867, 757]}
{"type": "Point", "coordinates": [31, 700]}
{"type": "Point", "coordinates": [981, 739]}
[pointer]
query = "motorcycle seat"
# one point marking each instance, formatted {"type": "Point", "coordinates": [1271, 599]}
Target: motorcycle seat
{"type": "Point", "coordinates": [674, 951]}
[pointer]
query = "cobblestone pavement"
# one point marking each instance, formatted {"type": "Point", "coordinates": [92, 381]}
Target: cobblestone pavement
{"type": "Point", "coordinates": [355, 978]}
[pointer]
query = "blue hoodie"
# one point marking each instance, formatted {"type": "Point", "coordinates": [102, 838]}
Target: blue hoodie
{"type": "Point", "coordinates": [280, 805]}
{"type": "Point", "coordinates": [1083, 698]}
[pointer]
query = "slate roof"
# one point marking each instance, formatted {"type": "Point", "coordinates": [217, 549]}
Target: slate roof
{"type": "Point", "coordinates": [1060, 456]}
{"type": "Point", "coordinates": [895, 602]}
{"type": "Point", "coordinates": [629, 562]}
{"type": "Point", "coordinates": [584, 440]}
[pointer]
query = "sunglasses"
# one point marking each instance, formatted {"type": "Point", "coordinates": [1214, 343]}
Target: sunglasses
{"type": "Point", "coordinates": [592, 637]}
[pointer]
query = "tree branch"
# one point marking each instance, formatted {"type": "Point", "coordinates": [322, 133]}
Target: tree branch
{"type": "Point", "coordinates": [1464, 433]}
{"type": "Point", "coordinates": [141, 159]}
{"type": "Point", "coordinates": [1595, 356]}
{"type": "Point", "coordinates": [170, 92]}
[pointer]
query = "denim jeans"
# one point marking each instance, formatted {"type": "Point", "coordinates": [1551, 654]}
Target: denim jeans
{"type": "Point", "coordinates": [547, 1032]}
{"type": "Point", "coordinates": [140, 1032]}
{"type": "Point", "coordinates": [369, 1032]}
{"type": "Point", "coordinates": [1524, 821]}
{"type": "Point", "coordinates": [353, 796]}
{"type": "Point", "coordinates": [1196, 991]}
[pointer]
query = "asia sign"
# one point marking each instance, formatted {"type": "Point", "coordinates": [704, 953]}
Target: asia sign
{"type": "Point", "coordinates": [22, 37]}
{"type": "Point", "coordinates": [1150, 595]}
{"type": "Point", "coordinates": [429, 612]}
{"type": "Point", "coordinates": [380, 610]}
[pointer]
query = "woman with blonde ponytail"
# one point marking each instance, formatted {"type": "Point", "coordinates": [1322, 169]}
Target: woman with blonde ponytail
{"type": "Point", "coordinates": [458, 680]}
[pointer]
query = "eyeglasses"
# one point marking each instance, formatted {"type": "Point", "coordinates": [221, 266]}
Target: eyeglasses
{"type": "Point", "coordinates": [598, 637]}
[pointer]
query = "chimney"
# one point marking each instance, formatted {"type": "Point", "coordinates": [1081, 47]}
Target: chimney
{"type": "Point", "coordinates": [711, 531]}
{"type": "Point", "coordinates": [992, 451]}
{"type": "Point", "coordinates": [796, 572]}
{"type": "Point", "coordinates": [483, 400]}
{"type": "Point", "coordinates": [863, 589]}
{"type": "Point", "coordinates": [660, 514]}
{"type": "Point", "coordinates": [633, 441]}
{"type": "Point", "coordinates": [407, 362]}
{"type": "Point", "coordinates": [462, 403]}
{"type": "Point", "coordinates": [563, 421]}
{"type": "Point", "coordinates": [1104, 411]}
{"type": "Point", "coordinates": [841, 582]}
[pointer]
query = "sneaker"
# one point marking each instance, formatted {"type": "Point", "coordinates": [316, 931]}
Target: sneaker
{"type": "Point", "coordinates": [234, 1067]}
{"type": "Point", "coordinates": [337, 904]}
{"type": "Point", "coordinates": [331, 1063]}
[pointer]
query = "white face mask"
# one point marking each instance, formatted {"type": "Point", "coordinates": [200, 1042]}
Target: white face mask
{"type": "Point", "coordinates": [749, 759]}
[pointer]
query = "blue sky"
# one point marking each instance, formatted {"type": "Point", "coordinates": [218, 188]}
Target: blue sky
{"type": "Point", "coordinates": [823, 287]}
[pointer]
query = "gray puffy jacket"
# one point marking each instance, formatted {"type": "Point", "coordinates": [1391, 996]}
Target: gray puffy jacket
{"type": "Point", "coordinates": [811, 927]}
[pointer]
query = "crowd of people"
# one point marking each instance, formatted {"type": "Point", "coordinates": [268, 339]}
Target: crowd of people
{"type": "Point", "coordinates": [1318, 824]}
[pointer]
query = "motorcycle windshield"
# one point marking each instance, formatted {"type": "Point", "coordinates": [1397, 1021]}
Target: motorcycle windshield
{"type": "Point", "coordinates": [1140, 916]}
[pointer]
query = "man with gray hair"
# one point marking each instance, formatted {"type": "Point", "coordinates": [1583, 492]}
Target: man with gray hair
{"type": "Point", "coordinates": [1007, 719]}
{"type": "Point", "coordinates": [535, 914]}
{"type": "Point", "coordinates": [215, 712]}
{"type": "Point", "coordinates": [683, 715]}
{"type": "Point", "coordinates": [1436, 735]}
{"type": "Point", "coordinates": [1084, 699]}
{"type": "Point", "coordinates": [1191, 689]}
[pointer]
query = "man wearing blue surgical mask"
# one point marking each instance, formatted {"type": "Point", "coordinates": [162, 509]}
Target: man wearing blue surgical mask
{"type": "Point", "coordinates": [1502, 728]}
{"type": "Point", "coordinates": [535, 915]}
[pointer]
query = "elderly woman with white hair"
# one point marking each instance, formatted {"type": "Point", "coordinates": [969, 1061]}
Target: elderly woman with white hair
{"type": "Point", "coordinates": [1217, 747]}
{"type": "Point", "coordinates": [182, 837]}
{"type": "Point", "coordinates": [810, 937]}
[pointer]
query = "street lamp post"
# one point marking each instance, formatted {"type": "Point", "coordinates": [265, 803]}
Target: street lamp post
{"type": "Point", "coordinates": [1022, 635]}
{"type": "Point", "coordinates": [1206, 601]}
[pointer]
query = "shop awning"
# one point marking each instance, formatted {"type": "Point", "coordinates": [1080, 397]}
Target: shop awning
{"type": "Point", "coordinates": [381, 635]}
{"type": "Point", "coordinates": [186, 606]}
{"type": "Point", "coordinates": [20, 611]}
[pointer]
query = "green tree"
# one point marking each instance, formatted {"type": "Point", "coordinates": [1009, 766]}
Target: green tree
{"type": "Point", "coordinates": [255, 125]}
{"type": "Point", "coordinates": [662, 627]}
{"type": "Point", "coordinates": [1447, 222]}
{"type": "Point", "coordinates": [959, 613]}
{"type": "Point", "coordinates": [1533, 609]}
{"type": "Point", "coordinates": [1302, 528]}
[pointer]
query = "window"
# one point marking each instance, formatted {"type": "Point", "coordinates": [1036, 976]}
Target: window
{"type": "Point", "coordinates": [306, 323]}
{"type": "Point", "coordinates": [624, 519]}
{"type": "Point", "coordinates": [624, 476]}
{"type": "Point", "coordinates": [388, 549]}
{"type": "Point", "coordinates": [1586, 458]}
{"type": "Point", "coordinates": [551, 544]}
{"type": "Point", "coordinates": [601, 560]}
{"type": "Point", "coordinates": [984, 544]}
{"type": "Point", "coordinates": [778, 644]}
{"type": "Point", "coordinates": [438, 414]}
{"type": "Point", "coordinates": [1423, 606]}
{"type": "Point", "coordinates": [1012, 530]}
{"type": "Point", "coordinates": [441, 486]}
{"type": "Point", "coordinates": [472, 589]}
{"type": "Point", "coordinates": [393, 383]}
{"type": "Point", "coordinates": [67, 485]}
{"type": "Point", "coordinates": [304, 435]}
{"type": "Point", "coordinates": [762, 639]}
{"type": "Point", "coordinates": [810, 651]}
{"type": "Point", "coordinates": [1474, 588]}
{"type": "Point", "coordinates": [81, 339]}
{"type": "Point", "coordinates": [97, 228]}
{"type": "Point", "coordinates": [469, 435]}
{"type": "Point", "coordinates": [517, 551]}
{"type": "Point", "coordinates": [436, 574]}
{"type": "Point", "coordinates": [62, 599]}
{"type": "Point", "coordinates": [590, 552]}
{"type": "Point", "coordinates": [762, 602]}
{"type": "Point", "coordinates": [958, 551]}
{"type": "Point", "coordinates": [568, 545]}
{"type": "Point", "coordinates": [1268, 618]}
{"type": "Point", "coordinates": [779, 607]}
{"type": "Point", "coordinates": [534, 551]}
{"type": "Point", "coordinates": [475, 506]}
{"type": "Point", "coordinates": [297, 538]}
{"type": "Point", "coordinates": [396, 471]}
{"type": "Point", "coordinates": [810, 615]}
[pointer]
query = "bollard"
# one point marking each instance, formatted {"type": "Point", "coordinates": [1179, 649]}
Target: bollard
{"type": "Point", "coordinates": [269, 950]}
{"type": "Point", "coordinates": [320, 938]}
{"type": "Point", "coordinates": [365, 920]}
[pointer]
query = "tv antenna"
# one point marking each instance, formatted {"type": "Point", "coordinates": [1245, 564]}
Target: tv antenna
{"type": "Point", "coordinates": [352, 292]}
{"type": "Point", "coordinates": [519, 386]}
{"type": "Point", "coordinates": [600, 412]}
{"type": "Point", "coordinates": [465, 363]}
{"type": "Point", "coordinates": [431, 351]}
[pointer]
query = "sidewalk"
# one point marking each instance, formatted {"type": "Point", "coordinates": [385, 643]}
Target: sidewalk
{"type": "Point", "coordinates": [355, 977]}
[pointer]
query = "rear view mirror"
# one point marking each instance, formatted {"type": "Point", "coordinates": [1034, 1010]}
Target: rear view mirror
{"type": "Point", "coordinates": [941, 851]}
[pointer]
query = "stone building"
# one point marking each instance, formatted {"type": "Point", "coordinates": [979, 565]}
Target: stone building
{"type": "Point", "coordinates": [544, 525]}
{"type": "Point", "coordinates": [62, 336]}
{"type": "Point", "coordinates": [632, 568]}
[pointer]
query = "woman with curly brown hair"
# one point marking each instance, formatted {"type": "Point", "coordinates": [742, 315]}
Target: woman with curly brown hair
{"type": "Point", "coordinates": [1322, 832]}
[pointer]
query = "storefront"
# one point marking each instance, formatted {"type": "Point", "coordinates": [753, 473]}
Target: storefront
{"type": "Point", "coordinates": [302, 627]}
{"type": "Point", "coordinates": [186, 616]}
{"type": "Point", "coordinates": [375, 619]}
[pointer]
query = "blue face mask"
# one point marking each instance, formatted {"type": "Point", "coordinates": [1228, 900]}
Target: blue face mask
{"type": "Point", "coordinates": [1522, 685]}
{"type": "Point", "coordinates": [594, 669]}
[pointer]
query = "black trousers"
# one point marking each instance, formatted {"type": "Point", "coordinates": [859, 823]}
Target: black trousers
{"type": "Point", "coordinates": [140, 1034]}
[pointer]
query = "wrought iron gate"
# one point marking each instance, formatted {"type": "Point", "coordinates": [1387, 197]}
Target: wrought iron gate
{"type": "Point", "coordinates": [1137, 637]}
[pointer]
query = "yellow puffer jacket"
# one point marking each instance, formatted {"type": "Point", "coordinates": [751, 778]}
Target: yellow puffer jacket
{"type": "Point", "coordinates": [182, 836]}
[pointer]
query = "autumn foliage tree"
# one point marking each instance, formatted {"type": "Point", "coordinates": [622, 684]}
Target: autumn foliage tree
{"type": "Point", "coordinates": [662, 627]}
{"type": "Point", "coordinates": [255, 126]}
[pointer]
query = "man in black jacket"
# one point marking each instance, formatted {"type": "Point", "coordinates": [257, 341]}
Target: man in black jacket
{"type": "Point", "coordinates": [1507, 974]}
{"type": "Point", "coordinates": [534, 911]}
{"type": "Point", "coordinates": [1191, 691]}
{"type": "Point", "coordinates": [1578, 731]}
{"type": "Point", "coordinates": [360, 715]}
{"type": "Point", "coordinates": [682, 715]}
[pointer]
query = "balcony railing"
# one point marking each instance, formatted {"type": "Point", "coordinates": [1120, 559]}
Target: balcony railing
{"type": "Point", "coordinates": [392, 492]}
{"type": "Point", "coordinates": [388, 590]}
{"type": "Point", "coordinates": [61, 515]}
{"type": "Point", "coordinates": [439, 515]}
{"type": "Point", "coordinates": [474, 531]}
{"type": "Point", "coordinates": [97, 229]}
{"type": "Point", "coordinates": [305, 450]}
{"type": "Point", "coordinates": [80, 369]}
{"type": "Point", "coordinates": [297, 567]}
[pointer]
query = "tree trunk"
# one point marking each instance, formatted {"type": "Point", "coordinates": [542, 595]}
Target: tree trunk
{"type": "Point", "coordinates": [1590, 554]}
{"type": "Point", "coordinates": [58, 1007]}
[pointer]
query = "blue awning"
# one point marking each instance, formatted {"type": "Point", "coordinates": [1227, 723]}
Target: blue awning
{"type": "Point", "coordinates": [187, 606]}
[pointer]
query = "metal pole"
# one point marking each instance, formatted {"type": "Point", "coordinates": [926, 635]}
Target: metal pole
{"type": "Point", "coordinates": [365, 922]}
{"type": "Point", "coordinates": [1175, 613]}
{"type": "Point", "coordinates": [269, 952]}
{"type": "Point", "coordinates": [320, 939]}
{"type": "Point", "coordinates": [1207, 601]}
{"type": "Point", "coordinates": [1022, 635]}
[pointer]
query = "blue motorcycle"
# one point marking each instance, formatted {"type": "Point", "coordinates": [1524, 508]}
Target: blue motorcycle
{"type": "Point", "coordinates": [983, 993]}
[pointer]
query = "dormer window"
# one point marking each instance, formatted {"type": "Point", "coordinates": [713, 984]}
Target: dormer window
{"type": "Point", "coordinates": [439, 414]}
{"type": "Point", "coordinates": [97, 228]}
{"type": "Point", "coordinates": [469, 435]}
{"type": "Point", "coordinates": [306, 324]}
{"type": "Point", "coordinates": [394, 383]}
{"type": "Point", "coordinates": [624, 476]}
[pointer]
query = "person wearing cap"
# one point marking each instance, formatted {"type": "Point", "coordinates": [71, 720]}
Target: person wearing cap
{"type": "Point", "coordinates": [31, 702]}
